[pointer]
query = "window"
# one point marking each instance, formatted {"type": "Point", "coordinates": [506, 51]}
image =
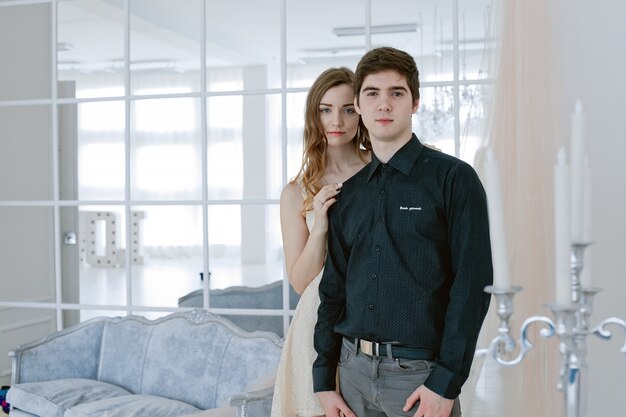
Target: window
{"type": "Point", "coordinates": [178, 123]}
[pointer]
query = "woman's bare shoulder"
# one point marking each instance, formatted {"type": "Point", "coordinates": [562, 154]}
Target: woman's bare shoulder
{"type": "Point", "coordinates": [292, 195]}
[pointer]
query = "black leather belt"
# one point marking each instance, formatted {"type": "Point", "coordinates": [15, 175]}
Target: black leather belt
{"type": "Point", "coordinates": [397, 351]}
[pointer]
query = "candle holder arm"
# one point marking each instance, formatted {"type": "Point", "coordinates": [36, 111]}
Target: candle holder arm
{"type": "Point", "coordinates": [606, 334]}
{"type": "Point", "coordinates": [504, 343]}
{"type": "Point", "coordinates": [525, 345]}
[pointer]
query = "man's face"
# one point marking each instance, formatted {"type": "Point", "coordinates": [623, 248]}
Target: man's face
{"type": "Point", "coordinates": [386, 105]}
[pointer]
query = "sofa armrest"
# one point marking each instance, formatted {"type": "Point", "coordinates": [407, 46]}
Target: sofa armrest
{"type": "Point", "coordinates": [253, 403]}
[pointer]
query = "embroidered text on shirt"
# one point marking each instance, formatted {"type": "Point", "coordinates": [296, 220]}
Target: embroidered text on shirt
{"type": "Point", "coordinates": [410, 208]}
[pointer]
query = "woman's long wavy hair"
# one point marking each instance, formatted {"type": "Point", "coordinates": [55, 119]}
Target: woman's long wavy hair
{"type": "Point", "coordinates": [314, 137]}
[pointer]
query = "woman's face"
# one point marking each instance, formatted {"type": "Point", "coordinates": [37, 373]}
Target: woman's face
{"type": "Point", "coordinates": [338, 116]}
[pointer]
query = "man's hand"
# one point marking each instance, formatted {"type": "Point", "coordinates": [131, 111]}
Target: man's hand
{"type": "Point", "coordinates": [333, 403]}
{"type": "Point", "coordinates": [431, 404]}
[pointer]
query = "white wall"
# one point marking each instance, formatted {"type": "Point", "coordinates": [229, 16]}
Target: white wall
{"type": "Point", "coordinates": [593, 40]}
{"type": "Point", "coordinates": [26, 243]}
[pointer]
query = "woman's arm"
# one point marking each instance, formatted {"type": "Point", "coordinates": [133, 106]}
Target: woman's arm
{"type": "Point", "coordinates": [304, 252]}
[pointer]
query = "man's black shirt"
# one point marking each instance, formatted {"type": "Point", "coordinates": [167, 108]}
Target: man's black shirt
{"type": "Point", "coordinates": [408, 258]}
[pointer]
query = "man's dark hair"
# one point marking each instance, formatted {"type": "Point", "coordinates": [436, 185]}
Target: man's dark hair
{"type": "Point", "coordinates": [388, 58]}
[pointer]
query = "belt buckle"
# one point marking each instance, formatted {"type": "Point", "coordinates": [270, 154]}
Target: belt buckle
{"type": "Point", "coordinates": [369, 348]}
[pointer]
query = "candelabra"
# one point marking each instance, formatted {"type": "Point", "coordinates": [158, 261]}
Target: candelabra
{"type": "Point", "coordinates": [570, 325]}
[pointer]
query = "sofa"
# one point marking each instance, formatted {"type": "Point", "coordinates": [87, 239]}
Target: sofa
{"type": "Point", "coordinates": [180, 364]}
{"type": "Point", "coordinates": [269, 296]}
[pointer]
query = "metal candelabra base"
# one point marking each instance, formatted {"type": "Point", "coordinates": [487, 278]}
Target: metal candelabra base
{"type": "Point", "coordinates": [569, 324]}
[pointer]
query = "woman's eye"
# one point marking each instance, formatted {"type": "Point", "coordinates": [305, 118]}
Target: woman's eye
{"type": "Point", "coordinates": [324, 110]}
{"type": "Point", "coordinates": [350, 110]}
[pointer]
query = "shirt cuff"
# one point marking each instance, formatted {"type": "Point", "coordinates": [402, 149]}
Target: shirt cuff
{"type": "Point", "coordinates": [443, 382]}
{"type": "Point", "coordinates": [324, 379]}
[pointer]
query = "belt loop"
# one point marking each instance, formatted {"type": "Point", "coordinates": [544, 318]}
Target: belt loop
{"type": "Point", "coordinates": [374, 372]}
{"type": "Point", "coordinates": [357, 345]}
{"type": "Point", "coordinates": [388, 349]}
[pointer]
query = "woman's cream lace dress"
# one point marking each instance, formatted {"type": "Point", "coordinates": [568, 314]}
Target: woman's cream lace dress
{"type": "Point", "coordinates": [293, 392]}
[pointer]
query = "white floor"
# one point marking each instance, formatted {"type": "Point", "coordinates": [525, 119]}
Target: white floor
{"type": "Point", "coordinates": [159, 282]}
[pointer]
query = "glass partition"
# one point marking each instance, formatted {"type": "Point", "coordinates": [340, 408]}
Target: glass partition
{"type": "Point", "coordinates": [25, 153]}
{"type": "Point", "coordinates": [165, 41]}
{"type": "Point", "coordinates": [27, 254]}
{"type": "Point", "coordinates": [242, 37]}
{"type": "Point", "coordinates": [316, 42]}
{"type": "Point", "coordinates": [96, 68]}
{"type": "Point", "coordinates": [26, 65]}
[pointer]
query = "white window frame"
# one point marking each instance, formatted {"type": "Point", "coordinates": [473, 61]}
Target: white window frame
{"type": "Point", "coordinates": [57, 204]}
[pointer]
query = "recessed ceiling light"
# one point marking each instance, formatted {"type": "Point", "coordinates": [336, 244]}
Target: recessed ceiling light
{"type": "Point", "coordinates": [375, 30]}
{"type": "Point", "coordinates": [64, 46]}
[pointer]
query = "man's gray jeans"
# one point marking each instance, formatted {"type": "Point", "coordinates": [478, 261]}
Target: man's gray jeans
{"type": "Point", "coordinates": [379, 386]}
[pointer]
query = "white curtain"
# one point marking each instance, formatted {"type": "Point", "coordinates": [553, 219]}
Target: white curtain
{"type": "Point", "coordinates": [524, 135]}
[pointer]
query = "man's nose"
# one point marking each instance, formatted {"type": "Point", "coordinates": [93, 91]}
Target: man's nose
{"type": "Point", "coordinates": [384, 105]}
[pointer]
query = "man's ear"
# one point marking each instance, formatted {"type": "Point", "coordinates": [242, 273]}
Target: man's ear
{"type": "Point", "coordinates": [356, 104]}
{"type": "Point", "coordinates": [416, 105]}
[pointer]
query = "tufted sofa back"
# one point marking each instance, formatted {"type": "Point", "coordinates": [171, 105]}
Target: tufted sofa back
{"type": "Point", "coordinates": [201, 361]}
{"type": "Point", "coordinates": [195, 357]}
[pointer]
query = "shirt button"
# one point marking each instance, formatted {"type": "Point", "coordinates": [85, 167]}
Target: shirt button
{"type": "Point", "coordinates": [377, 247]}
{"type": "Point", "coordinates": [382, 191]}
{"type": "Point", "coordinates": [374, 276]}
{"type": "Point", "coordinates": [380, 219]}
{"type": "Point", "coordinates": [371, 306]}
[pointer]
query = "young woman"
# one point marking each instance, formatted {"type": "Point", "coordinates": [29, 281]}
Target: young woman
{"type": "Point", "coordinates": [335, 148]}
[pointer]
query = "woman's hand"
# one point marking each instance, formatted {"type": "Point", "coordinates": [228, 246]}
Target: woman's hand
{"type": "Point", "coordinates": [325, 198]}
{"type": "Point", "coordinates": [433, 147]}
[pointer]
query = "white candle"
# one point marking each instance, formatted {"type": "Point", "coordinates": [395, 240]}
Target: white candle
{"type": "Point", "coordinates": [496, 223]}
{"type": "Point", "coordinates": [561, 230]}
{"type": "Point", "coordinates": [577, 172]}
{"type": "Point", "coordinates": [586, 274]}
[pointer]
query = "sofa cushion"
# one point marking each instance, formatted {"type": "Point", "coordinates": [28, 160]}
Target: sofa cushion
{"type": "Point", "coordinates": [214, 412]}
{"type": "Point", "coordinates": [19, 413]}
{"type": "Point", "coordinates": [51, 398]}
{"type": "Point", "coordinates": [131, 406]}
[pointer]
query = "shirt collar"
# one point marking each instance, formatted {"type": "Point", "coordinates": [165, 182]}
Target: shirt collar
{"type": "Point", "coordinates": [403, 160]}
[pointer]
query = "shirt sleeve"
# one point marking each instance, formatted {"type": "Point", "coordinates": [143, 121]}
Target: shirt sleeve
{"type": "Point", "coordinates": [470, 250]}
{"type": "Point", "coordinates": [332, 292]}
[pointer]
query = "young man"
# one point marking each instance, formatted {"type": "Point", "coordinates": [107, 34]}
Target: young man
{"type": "Point", "coordinates": [402, 298]}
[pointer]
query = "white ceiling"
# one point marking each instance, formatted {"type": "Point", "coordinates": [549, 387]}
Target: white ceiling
{"type": "Point", "coordinates": [248, 32]}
